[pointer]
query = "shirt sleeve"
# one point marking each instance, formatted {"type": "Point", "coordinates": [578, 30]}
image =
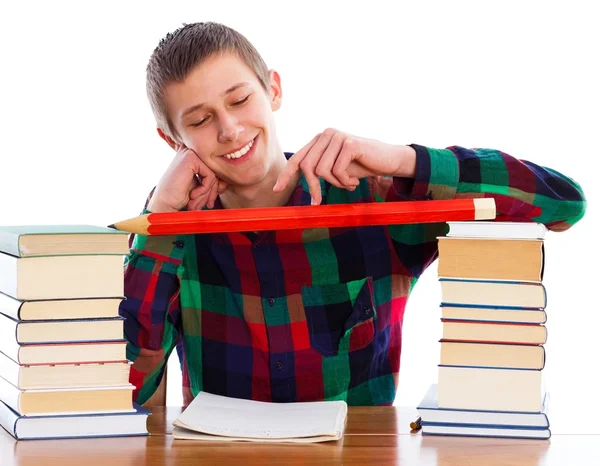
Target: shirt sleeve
{"type": "Point", "coordinates": [522, 190]}
{"type": "Point", "coordinates": [151, 308]}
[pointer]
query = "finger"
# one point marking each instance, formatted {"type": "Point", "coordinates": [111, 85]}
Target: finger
{"type": "Point", "coordinates": [199, 201]}
{"type": "Point", "coordinates": [342, 164]}
{"type": "Point", "coordinates": [204, 198]}
{"type": "Point", "coordinates": [314, 185]}
{"type": "Point", "coordinates": [325, 165]}
{"type": "Point", "coordinates": [206, 178]}
{"type": "Point", "coordinates": [195, 182]}
{"type": "Point", "coordinates": [200, 190]}
{"type": "Point", "coordinates": [356, 171]}
{"type": "Point", "coordinates": [201, 185]}
{"type": "Point", "coordinates": [198, 204]}
{"type": "Point", "coordinates": [309, 164]}
{"type": "Point", "coordinates": [293, 165]}
{"type": "Point", "coordinates": [212, 195]}
{"type": "Point", "coordinates": [199, 168]}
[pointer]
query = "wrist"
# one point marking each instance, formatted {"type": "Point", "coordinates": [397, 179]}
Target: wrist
{"type": "Point", "coordinates": [157, 206]}
{"type": "Point", "coordinates": [407, 157]}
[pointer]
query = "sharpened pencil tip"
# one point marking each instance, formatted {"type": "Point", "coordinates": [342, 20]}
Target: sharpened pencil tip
{"type": "Point", "coordinates": [112, 225]}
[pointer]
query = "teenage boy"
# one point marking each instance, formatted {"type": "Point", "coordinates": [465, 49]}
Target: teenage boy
{"type": "Point", "coordinates": [291, 315]}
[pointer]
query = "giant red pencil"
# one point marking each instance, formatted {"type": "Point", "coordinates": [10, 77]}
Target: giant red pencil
{"type": "Point", "coordinates": [301, 217]}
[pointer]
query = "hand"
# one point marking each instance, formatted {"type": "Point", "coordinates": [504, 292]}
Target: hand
{"type": "Point", "coordinates": [180, 187]}
{"type": "Point", "coordinates": [341, 159]}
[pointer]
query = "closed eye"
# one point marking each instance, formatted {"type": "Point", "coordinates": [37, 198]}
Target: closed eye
{"type": "Point", "coordinates": [199, 123]}
{"type": "Point", "coordinates": [241, 101]}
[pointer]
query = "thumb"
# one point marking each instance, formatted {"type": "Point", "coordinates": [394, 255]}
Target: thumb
{"type": "Point", "coordinates": [356, 171]}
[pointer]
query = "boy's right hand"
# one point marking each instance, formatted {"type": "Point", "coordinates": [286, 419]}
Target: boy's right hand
{"type": "Point", "coordinates": [179, 187]}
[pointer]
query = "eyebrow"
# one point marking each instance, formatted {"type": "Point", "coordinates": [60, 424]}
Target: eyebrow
{"type": "Point", "coordinates": [228, 91]}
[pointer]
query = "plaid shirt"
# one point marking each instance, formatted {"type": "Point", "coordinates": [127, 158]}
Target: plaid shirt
{"type": "Point", "coordinates": [313, 314]}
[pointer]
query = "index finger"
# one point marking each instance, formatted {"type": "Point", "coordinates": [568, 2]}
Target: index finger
{"type": "Point", "coordinates": [293, 165]}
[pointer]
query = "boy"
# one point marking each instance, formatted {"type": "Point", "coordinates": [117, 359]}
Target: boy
{"type": "Point", "coordinates": [290, 315]}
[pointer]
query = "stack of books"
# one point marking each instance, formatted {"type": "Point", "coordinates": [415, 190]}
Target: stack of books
{"type": "Point", "coordinates": [63, 368]}
{"type": "Point", "coordinates": [490, 380]}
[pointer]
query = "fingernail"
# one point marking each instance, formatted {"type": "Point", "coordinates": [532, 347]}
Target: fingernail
{"type": "Point", "coordinates": [276, 185]}
{"type": "Point", "coordinates": [313, 201]}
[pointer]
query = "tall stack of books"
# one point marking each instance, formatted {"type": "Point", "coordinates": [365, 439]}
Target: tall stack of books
{"type": "Point", "coordinates": [63, 368]}
{"type": "Point", "coordinates": [490, 380]}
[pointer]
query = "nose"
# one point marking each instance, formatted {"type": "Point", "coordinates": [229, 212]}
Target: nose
{"type": "Point", "coordinates": [229, 128]}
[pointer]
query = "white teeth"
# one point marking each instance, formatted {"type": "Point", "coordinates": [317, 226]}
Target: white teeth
{"type": "Point", "coordinates": [239, 153]}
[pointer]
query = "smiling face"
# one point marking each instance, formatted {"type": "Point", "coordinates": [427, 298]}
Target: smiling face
{"type": "Point", "coordinates": [225, 116]}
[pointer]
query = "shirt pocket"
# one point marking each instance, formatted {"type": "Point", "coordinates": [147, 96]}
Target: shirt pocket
{"type": "Point", "coordinates": [340, 317]}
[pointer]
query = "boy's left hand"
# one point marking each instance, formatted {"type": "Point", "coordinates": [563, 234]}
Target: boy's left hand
{"type": "Point", "coordinates": [341, 159]}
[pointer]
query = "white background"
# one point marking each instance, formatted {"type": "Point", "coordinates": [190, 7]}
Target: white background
{"type": "Point", "coordinates": [79, 144]}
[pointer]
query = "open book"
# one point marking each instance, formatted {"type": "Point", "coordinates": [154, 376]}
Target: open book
{"type": "Point", "coordinates": [214, 417]}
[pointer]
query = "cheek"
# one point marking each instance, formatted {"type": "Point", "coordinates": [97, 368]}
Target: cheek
{"type": "Point", "coordinates": [201, 146]}
{"type": "Point", "coordinates": [259, 114]}
{"type": "Point", "coordinates": [202, 141]}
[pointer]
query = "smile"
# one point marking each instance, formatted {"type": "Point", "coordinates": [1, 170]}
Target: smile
{"type": "Point", "coordinates": [240, 152]}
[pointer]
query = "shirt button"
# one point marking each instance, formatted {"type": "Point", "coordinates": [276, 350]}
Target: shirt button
{"type": "Point", "coordinates": [271, 302]}
{"type": "Point", "coordinates": [279, 365]}
{"type": "Point", "coordinates": [179, 244]}
{"type": "Point", "coordinates": [367, 310]}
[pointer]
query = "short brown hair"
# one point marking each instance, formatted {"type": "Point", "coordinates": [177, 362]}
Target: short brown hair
{"type": "Point", "coordinates": [179, 52]}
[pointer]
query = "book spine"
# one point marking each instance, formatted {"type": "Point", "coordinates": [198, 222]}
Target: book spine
{"type": "Point", "coordinates": [9, 242]}
{"type": "Point", "coordinates": [10, 306]}
{"type": "Point", "coordinates": [10, 370]}
{"type": "Point", "coordinates": [10, 395]}
{"type": "Point", "coordinates": [9, 273]}
{"type": "Point", "coordinates": [8, 333]}
{"type": "Point", "coordinates": [8, 419]}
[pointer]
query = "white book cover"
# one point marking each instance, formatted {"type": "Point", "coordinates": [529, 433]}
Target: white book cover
{"type": "Point", "coordinates": [110, 424]}
{"type": "Point", "coordinates": [494, 432]}
{"type": "Point", "coordinates": [501, 230]}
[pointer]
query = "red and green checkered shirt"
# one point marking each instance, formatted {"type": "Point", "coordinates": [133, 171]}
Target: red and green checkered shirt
{"type": "Point", "coordinates": [313, 314]}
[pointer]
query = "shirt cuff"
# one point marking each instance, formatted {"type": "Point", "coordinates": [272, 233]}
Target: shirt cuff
{"type": "Point", "coordinates": [436, 175]}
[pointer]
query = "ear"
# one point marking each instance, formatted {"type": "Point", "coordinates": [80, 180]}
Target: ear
{"type": "Point", "coordinates": [275, 88]}
{"type": "Point", "coordinates": [170, 141]}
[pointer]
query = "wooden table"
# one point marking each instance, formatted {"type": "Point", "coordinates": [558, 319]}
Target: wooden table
{"type": "Point", "coordinates": [374, 436]}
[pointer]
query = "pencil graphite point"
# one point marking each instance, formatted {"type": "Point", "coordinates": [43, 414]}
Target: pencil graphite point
{"type": "Point", "coordinates": [112, 225]}
{"type": "Point", "coordinates": [137, 225]}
